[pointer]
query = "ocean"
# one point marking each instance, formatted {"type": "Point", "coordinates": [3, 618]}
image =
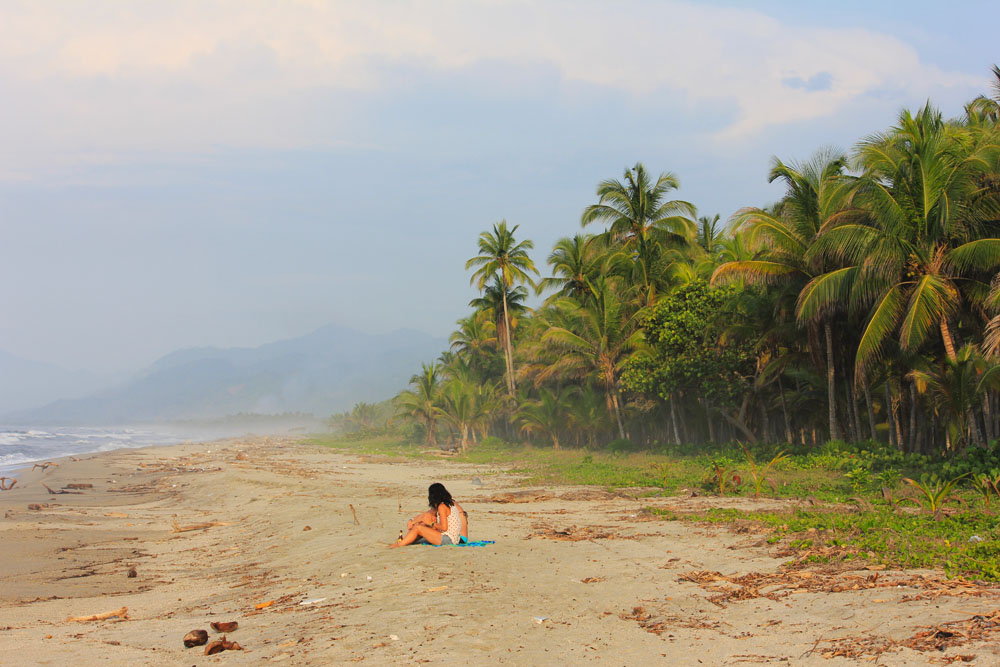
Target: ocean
{"type": "Point", "coordinates": [21, 448]}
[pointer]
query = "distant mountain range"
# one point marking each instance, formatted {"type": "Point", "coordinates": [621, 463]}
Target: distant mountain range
{"type": "Point", "coordinates": [25, 383]}
{"type": "Point", "coordinates": [326, 371]}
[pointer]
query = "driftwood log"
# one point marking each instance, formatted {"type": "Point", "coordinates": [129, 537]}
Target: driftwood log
{"type": "Point", "coordinates": [7, 483]}
{"type": "Point", "coordinates": [45, 465]}
{"type": "Point", "coordinates": [117, 613]}
{"type": "Point", "coordinates": [59, 492]}
{"type": "Point", "coordinates": [199, 526]}
{"type": "Point", "coordinates": [79, 486]}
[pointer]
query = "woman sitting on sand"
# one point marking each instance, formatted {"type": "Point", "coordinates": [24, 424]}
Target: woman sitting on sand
{"type": "Point", "coordinates": [444, 523]}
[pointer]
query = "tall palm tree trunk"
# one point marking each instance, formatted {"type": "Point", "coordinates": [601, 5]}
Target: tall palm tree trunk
{"type": "Point", "coordinates": [890, 422]}
{"type": "Point", "coordinates": [508, 348]}
{"type": "Point", "coordinates": [784, 412]}
{"type": "Point", "coordinates": [970, 414]}
{"type": "Point", "coordinates": [831, 394]}
{"type": "Point", "coordinates": [871, 411]}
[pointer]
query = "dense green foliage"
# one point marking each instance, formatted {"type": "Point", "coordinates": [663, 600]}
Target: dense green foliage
{"type": "Point", "coordinates": [863, 306]}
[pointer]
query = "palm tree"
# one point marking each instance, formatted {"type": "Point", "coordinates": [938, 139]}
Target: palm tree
{"type": "Point", "coordinates": [500, 255]}
{"type": "Point", "coordinates": [817, 195]}
{"type": "Point", "coordinates": [595, 338]}
{"type": "Point", "coordinates": [575, 261]}
{"type": "Point", "coordinates": [919, 254]}
{"type": "Point", "coordinates": [956, 387]}
{"type": "Point", "coordinates": [642, 220]}
{"type": "Point", "coordinates": [476, 340]}
{"type": "Point", "coordinates": [460, 408]}
{"type": "Point", "coordinates": [544, 416]}
{"type": "Point", "coordinates": [421, 401]}
{"type": "Point", "coordinates": [987, 108]}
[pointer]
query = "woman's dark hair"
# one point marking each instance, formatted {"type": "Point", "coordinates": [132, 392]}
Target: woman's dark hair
{"type": "Point", "coordinates": [437, 494]}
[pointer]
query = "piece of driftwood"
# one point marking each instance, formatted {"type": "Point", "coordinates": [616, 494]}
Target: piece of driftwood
{"type": "Point", "coordinates": [225, 626]}
{"type": "Point", "coordinates": [117, 613]}
{"type": "Point", "coordinates": [199, 526]}
{"type": "Point", "coordinates": [79, 486]}
{"type": "Point", "coordinates": [37, 506]}
{"type": "Point", "coordinates": [195, 638]}
{"type": "Point", "coordinates": [7, 483]}
{"type": "Point", "coordinates": [355, 514]}
{"type": "Point", "coordinates": [263, 605]}
{"type": "Point", "coordinates": [45, 465]}
{"type": "Point", "coordinates": [59, 492]}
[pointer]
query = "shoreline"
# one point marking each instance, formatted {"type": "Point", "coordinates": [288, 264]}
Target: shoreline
{"type": "Point", "coordinates": [609, 583]}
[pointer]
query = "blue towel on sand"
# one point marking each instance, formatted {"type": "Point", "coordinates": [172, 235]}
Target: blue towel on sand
{"type": "Point", "coordinates": [477, 543]}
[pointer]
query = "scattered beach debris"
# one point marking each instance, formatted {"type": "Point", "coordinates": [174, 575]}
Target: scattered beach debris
{"type": "Point", "coordinates": [199, 526]}
{"type": "Point", "coordinates": [225, 626]}
{"type": "Point", "coordinates": [369, 577]}
{"type": "Point", "coordinates": [307, 528]}
{"type": "Point", "coordinates": [477, 482]}
{"type": "Point", "coordinates": [591, 580]}
{"type": "Point", "coordinates": [241, 456]}
{"type": "Point", "coordinates": [116, 515]}
{"type": "Point", "coordinates": [520, 497]}
{"type": "Point", "coordinates": [8, 515]}
{"type": "Point", "coordinates": [263, 605]}
{"type": "Point", "coordinates": [195, 638]}
{"type": "Point", "coordinates": [540, 619]}
{"type": "Point", "coordinates": [312, 601]}
{"type": "Point", "coordinates": [981, 627]}
{"type": "Point", "coordinates": [975, 538]}
{"type": "Point", "coordinates": [59, 492]}
{"type": "Point", "coordinates": [45, 466]}
{"type": "Point", "coordinates": [781, 584]}
{"type": "Point", "coordinates": [7, 483]}
{"type": "Point", "coordinates": [117, 613]}
{"type": "Point", "coordinates": [394, 638]}
{"type": "Point", "coordinates": [435, 589]}
{"type": "Point", "coordinates": [132, 574]}
{"type": "Point", "coordinates": [79, 485]}
{"type": "Point", "coordinates": [355, 514]}
{"type": "Point", "coordinates": [575, 534]}
{"type": "Point", "coordinates": [37, 506]}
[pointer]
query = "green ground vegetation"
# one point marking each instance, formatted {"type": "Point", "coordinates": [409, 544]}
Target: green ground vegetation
{"type": "Point", "coordinates": [862, 508]}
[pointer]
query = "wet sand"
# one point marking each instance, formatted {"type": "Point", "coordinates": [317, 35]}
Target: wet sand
{"type": "Point", "coordinates": [576, 575]}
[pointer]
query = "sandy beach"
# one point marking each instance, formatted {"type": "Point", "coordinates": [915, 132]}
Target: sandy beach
{"type": "Point", "coordinates": [575, 575]}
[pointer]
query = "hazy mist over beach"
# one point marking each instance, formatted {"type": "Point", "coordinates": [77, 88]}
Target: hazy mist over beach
{"type": "Point", "coordinates": [234, 174]}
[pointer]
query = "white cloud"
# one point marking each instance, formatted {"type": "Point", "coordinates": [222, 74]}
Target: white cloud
{"type": "Point", "coordinates": [103, 77]}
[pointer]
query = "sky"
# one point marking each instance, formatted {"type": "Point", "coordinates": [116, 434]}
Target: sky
{"type": "Point", "coordinates": [233, 172]}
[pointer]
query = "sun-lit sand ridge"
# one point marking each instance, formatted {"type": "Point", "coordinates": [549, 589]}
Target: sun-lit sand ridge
{"type": "Point", "coordinates": [576, 574]}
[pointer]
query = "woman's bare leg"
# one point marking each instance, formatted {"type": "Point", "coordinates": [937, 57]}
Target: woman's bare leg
{"type": "Point", "coordinates": [418, 531]}
{"type": "Point", "coordinates": [428, 517]}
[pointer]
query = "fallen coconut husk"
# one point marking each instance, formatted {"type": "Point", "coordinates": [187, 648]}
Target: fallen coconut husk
{"type": "Point", "coordinates": [195, 638]}
{"type": "Point", "coordinates": [119, 613]}
{"type": "Point", "coordinates": [220, 645]}
{"type": "Point", "coordinates": [132, 574]}
{"type": "Point", "coordinates": [200, 526]}
{"type": "Point", "coordinates": [224, 626]}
